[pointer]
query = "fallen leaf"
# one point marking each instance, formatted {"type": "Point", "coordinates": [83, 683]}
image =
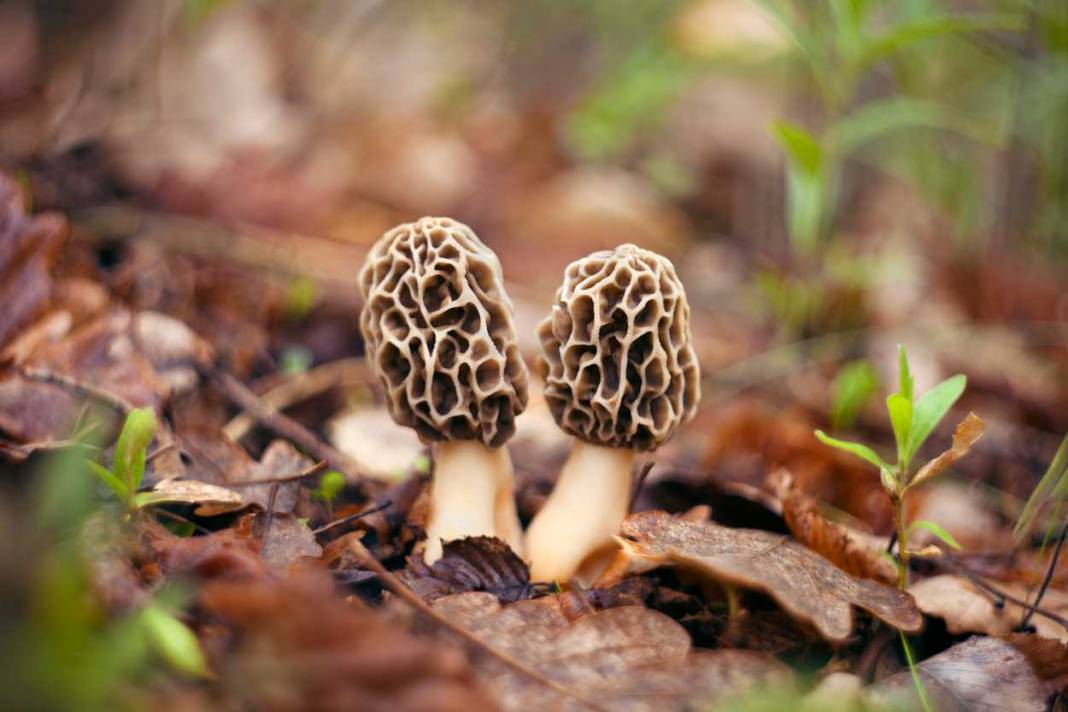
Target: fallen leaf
{"type": "Point", "coordinates": [287, 540]}
{"type": "Point", "coordinates": [472, 564]}
{"type": "Point", "coordinates": [626, 658]}
{"type": "Point", "coordinates": [967, 609]}
{"type": "Point", "coordinates": [978, 674]}
{"type": "Point", "coordinates": [191, 492]}
{"type": "Point", "coordinates": [967, 434]}
{"type": "Point", "coordinates": [807, 586]}
{"type": "Point", "coordinates": [28, 248]}
{"type": "Point", "coordinates": [842, 546]}
{"type": "Point", "coordinates": [296, 645]}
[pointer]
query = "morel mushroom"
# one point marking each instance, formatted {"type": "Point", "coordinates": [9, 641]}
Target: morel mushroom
{"type": "Point", "coordinates": [437, 327]}
{"type": "Point", "coordinates": [621, 377]}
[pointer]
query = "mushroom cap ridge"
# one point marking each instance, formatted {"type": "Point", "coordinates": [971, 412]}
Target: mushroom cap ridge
{"type": "Point", "coordinates": [618, 364]}
{"type": "Point", "coordinates": [437, 328]}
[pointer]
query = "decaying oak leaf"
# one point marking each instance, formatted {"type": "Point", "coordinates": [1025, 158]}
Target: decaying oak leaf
{"type": "Point", "coordinates": [478, 563]}
{"type": "Point", "coordinates": [296, 645]}
{"type": "Point", "coordinates": [967, 609]}
{"type": "Point", "coordinates": [807, 586]}
{"type": "Point", "coordinates": [842, 546]}
{"type": "Point", "coordinates": [967, 434]}
{"type": "Point", "coordinates": [978, 674]}
{"type": "Point", "coordinates": [626, 658]}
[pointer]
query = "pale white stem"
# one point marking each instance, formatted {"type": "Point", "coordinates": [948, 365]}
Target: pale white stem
{"type": "Point", "coordinates": [583, 512]}
{"type": "Point", "coordinates": [466, 497]}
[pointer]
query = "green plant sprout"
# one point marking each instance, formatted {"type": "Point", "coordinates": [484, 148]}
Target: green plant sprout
{"type": "Point", "coordinates": [839, 44]}
{"type": "Point", "coordinates": [913, 420]}
{"type": "Point", "coordinates": [330, 486]}
{"type": "Point", "coordinates": [852, 387]}
{"type": "Point", "coordinates": [128, 462]}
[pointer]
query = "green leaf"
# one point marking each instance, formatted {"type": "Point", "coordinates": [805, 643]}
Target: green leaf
{"type": "Point", "coordinates": [137, 434]}
{"type": "Point", "coordinates": [877, 118]}
{"type": "Point", "coordinates": [852, 387]}
{"type": "Point", "coordinates": [174, 642]}
{"type": "Point", "coordinates": [1050, 489]}
{"type": "Point", "coordinates": [911, 33]}
{"type": "Point", "coordinates": [117, 486]}
{"type": "Point", "coordinates": [900, 409]}
{"type": "Point", "coordinates": [929, 411]}
{"type": "Point", "coordinates": [860, 450]}
{"type": "Point", "coordinates": [330, 486]}
{"type": "Point", "coordinates": [801, 147]}
{"type": "Point", "coordinates": [935, 529]}
{"type": "Point", "coordinates": [904, 375]}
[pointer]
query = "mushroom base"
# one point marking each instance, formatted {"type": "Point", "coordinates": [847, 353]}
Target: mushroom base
{"type": "Point", "coordinates": [471, 495]}
{"type": "Point", "coordinates": [582, 514]}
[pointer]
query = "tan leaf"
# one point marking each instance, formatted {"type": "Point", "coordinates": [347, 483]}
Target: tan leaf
{"type": "Point", "coordinates": [967, 433]}
{"type": "Point", "coordinates": [807, 586]}
{"type": "Point", "coordinates": [194, 492]}
{"type": "Point", "coordinates": [626, 658]}
{"type": "Point", "coordinates": [287, 540]}
{"type": "Point", "coordinates": [978, 674]}
{"type": "Point", "coordinates": [967, 609]}
{"type": "Point", "coordinates": [847, 549]}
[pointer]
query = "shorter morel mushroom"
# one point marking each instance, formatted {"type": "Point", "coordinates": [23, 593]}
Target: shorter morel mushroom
{"type": "Point", "coordinates": [620, 376]}
{"type": "Point", "coordinates": [437, 328]}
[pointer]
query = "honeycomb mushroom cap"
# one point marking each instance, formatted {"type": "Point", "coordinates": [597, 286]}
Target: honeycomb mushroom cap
{"type": "Point", "coordinates": [618, 365]}
{"type": "Point", "coordinates": [437, 327]}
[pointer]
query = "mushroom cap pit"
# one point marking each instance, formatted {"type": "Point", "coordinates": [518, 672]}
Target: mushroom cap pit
{"type": "Point", "coordinates": [437, 327]}
{"type": "Point", "coordinates": [618, 364]}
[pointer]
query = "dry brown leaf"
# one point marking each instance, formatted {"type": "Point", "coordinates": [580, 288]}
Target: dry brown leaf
{"type": "Point", "coordinates": [194, 492]}
{"type": "Point", "coordinates": [626, 658]}
{"type": "Point", "coordinates": [978, 674]}
{"type": "Point", "coordinates": [479, 563]}
{"type": "Point", "coordinates": [296, 645]}
{"type": "Point", "coordinates": [370, 436]}
{"type": "Point", "coordinates": [967, 609]}
{"type": "Point", "coordinates": [28, 248]}
{"type": "Point", "coordinates": [287, 540]}
{"type": "Point", "coordinates": [967, 433]}
{"type": "Point", "coordinates": [842, 546]}
{"type": "Point", "coordinates": [807, 586]}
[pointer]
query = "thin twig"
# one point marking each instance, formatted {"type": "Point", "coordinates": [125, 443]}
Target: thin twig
{"type": "Point", "coordinates": [72, 385]}
{"type": "Point", "coordinates": [159, 451]}
{"type": "Point", "coordinates": [270, 513]}
{"type": "Point", "coordinates": [401, 590]}
{"type": "Point", "coordinates": [646, 469]}
{"type": "Point", "coordinates": [281, 424]}
{"type": "Point", "coordinates": [300, 388]}
{"type": "Point", "coordinates": [1049, 575]}
{"type": "Point", "coordinates": [353, 517]}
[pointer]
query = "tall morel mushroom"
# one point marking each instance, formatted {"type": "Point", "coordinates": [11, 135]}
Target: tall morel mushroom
{"type": "Point", "coordinates": [620, 376]}
{"type": "Point", "coordinates": [437, 327]}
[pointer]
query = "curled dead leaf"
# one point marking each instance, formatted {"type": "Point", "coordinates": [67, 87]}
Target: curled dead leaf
{"type": "Point", "coordinates": [478, 563]}
{"type": "Point", "coordinates": [967, 609]}
{"type": "Point", "coordinates": [978, 674]}
{"type": "Point", "coordinates": [626, 658]}
{"type": "Point", "coordinates": [967, 434]}
{"type": "Point", "coordinates": [807, 586]}
{"type": "Point", "coordinates": [850, 550]}
{"type": "Point", "coordinates": [192, 492]}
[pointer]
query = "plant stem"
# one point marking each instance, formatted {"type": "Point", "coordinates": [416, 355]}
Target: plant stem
{"type": "Point", "coordinates": [1049, 576]}
{"type": "Point", "coordinates": [898, 503]}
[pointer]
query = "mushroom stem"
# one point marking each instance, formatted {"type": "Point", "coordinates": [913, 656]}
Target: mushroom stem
{"type": "Point", "coordinates": [583, 512]}
{"type": "Point", "coordinates": [471, 495]}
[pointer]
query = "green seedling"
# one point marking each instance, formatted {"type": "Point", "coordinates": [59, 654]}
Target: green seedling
{"type": "Point", "coordinates": [128, 463]}
{"type": "Point", "coordinates": [855, 384]}
{"type": "Point", "coordinates": [330, 486]}
{"type": "Point", "coordinates": [913, 420]}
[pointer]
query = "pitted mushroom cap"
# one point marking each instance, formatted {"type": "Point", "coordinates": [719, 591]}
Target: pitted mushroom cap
{"type": "Point", "coordinates": [619, 368]}
{"type": "Point", "coordinates": [437, 327]}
